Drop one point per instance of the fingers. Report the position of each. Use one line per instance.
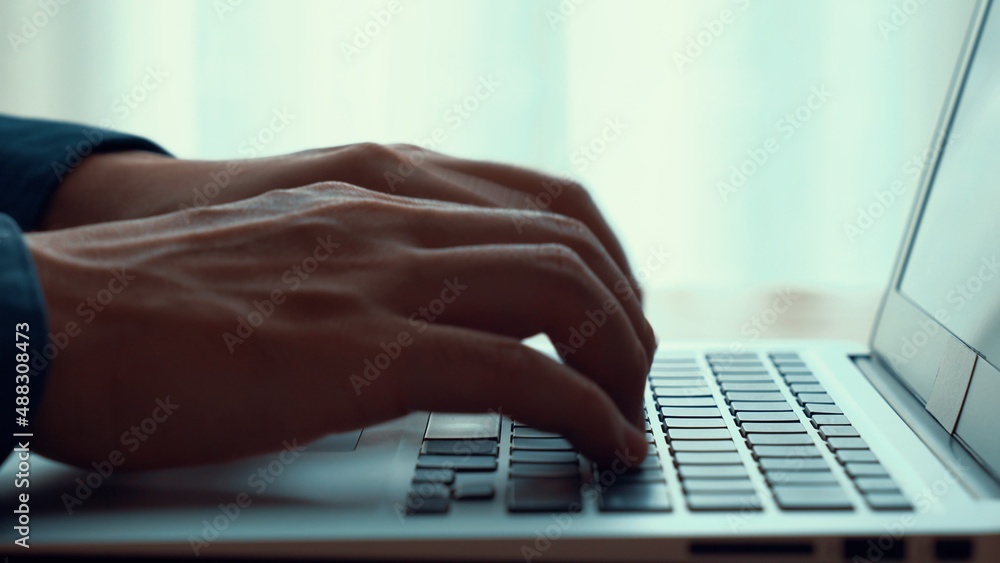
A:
(539, 191)
(522, 290)
(458, 370)
(416, 172)
(472, 226)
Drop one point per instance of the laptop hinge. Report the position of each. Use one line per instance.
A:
(977, 481)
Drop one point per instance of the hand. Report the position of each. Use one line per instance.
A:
(259, 318)
(144, 184)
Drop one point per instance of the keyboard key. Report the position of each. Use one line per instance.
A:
(703, 446)
(780, 439)
(764, 387)
(789, 364)
(527, 432)
(743, 378)
(712, 472)
(699, 434)
(845, 431)
(686, 401)
(635, 497)
(690, 412)
(543, 495)
(838, 443)
(429, 490)
(659, 391)
(673, 366)
(446, 426)
(876, 484)
(540, 444)
(820, 408)
(460, 447)
(742, 406)
(729, 363)
(549, 470)
(634, 476)
(774, 427)
(718, 486)
(861, 469)
(762, 416)
(754, 396)
(887, 501)
(812, 498)
(707, 458)
(815, 398)
(714, 501)
(677, 381)
(458, 463)
(801, 478)
(847, 456)
(730, 356)
(542, 456)
(829, 419)
(443, 476)
(793, 378)
(784, 356)
(786, 451)
(807, 388)
(694, 423)
(689, 370)
(793, 464)
(474, 491)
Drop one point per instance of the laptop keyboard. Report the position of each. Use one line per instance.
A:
(798, 439)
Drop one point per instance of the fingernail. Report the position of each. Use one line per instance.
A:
(635, 442)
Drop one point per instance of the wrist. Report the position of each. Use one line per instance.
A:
(110, 187)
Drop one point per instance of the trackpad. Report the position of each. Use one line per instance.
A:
(341, 442)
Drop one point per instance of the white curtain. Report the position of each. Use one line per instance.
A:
(651, 104)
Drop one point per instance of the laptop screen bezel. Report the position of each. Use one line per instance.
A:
(899, 318)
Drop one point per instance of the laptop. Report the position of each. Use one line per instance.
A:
(783, 450)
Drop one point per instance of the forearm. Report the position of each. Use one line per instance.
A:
(139, 184)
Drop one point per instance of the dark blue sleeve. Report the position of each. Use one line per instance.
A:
(35, 156)
(24, 334)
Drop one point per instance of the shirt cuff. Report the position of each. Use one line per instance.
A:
(23, 325)
(42, 153)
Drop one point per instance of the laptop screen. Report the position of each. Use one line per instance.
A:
(953, 271)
